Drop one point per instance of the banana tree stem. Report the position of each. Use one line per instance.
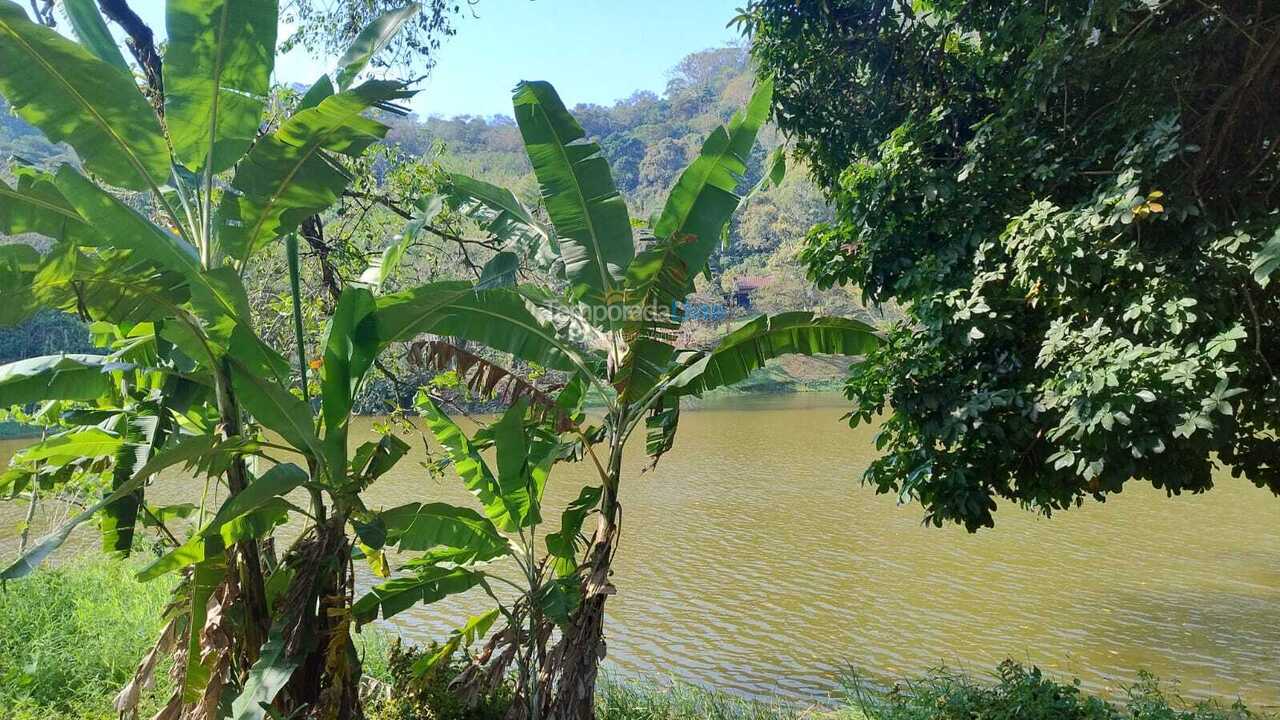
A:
(291, 249)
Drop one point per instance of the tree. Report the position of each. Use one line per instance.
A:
(324, 27)
(175, 195)
(1067, 200)
(608, 322)
(662, 161)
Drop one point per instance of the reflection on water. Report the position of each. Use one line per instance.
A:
(752, 560)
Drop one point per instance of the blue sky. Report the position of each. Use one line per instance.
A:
(592, 50)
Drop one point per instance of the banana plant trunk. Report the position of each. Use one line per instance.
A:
(326, 682)
(327, 679)
(574, 664)
(251, 578)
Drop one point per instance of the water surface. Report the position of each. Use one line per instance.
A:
(752, 560)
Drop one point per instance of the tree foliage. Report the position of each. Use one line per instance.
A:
(420, 154)
(327, 27)
(1067, 198)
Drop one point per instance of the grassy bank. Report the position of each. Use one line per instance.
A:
(70, 638)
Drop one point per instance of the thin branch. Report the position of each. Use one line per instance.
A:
(1257, 332)
(44, 15)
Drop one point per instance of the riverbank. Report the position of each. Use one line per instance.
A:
(70, 638)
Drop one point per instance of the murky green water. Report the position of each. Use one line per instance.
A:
(752, 560)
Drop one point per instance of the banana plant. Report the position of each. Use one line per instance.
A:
(179, 187)
(607, 318)
(465, 548)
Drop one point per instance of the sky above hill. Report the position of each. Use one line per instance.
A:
(595, 51)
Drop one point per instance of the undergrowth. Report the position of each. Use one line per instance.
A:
(71, 637)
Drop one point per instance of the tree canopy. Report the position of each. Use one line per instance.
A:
(1070, 201)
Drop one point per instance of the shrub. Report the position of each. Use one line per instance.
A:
(1020, 693)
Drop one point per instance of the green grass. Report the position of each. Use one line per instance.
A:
(71, 637)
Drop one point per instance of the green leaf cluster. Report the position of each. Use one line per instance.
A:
(1074, 205)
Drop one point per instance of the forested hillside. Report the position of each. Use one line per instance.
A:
(647, 138)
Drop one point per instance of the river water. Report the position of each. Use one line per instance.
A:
(753, 560)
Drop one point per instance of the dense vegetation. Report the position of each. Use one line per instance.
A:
(613, 295)
(1076, 205)
(1084, 257)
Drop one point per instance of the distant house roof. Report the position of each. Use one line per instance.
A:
(745, 284)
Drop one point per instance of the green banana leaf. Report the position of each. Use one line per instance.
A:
(559, 597)
(497, 212)
(206, 576)
(563, 544)
(277, 409)
(72, 445)
(476, 627)
(19, 263)
(123, 228)
(524, 460)
(427, 586)
(92, 32)
(57, 377)
(373, 459)
(371, 41)
(120, 518)
(757, 341)
(254, 524)
(657, 282)
(589, 215)
(347, 357)
(186, 452)
(249, 513)
(73, 97)
(660, 427)
(267, 678)
(217, 75)
(510, 508)
(705, 196)
(502, 270)
(288, 176)
(500, 318)
(382, 269)
(36, 206)
(424, 526)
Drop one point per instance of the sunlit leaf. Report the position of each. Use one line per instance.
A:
(217, 74)
(73, 97)
(590, 216)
